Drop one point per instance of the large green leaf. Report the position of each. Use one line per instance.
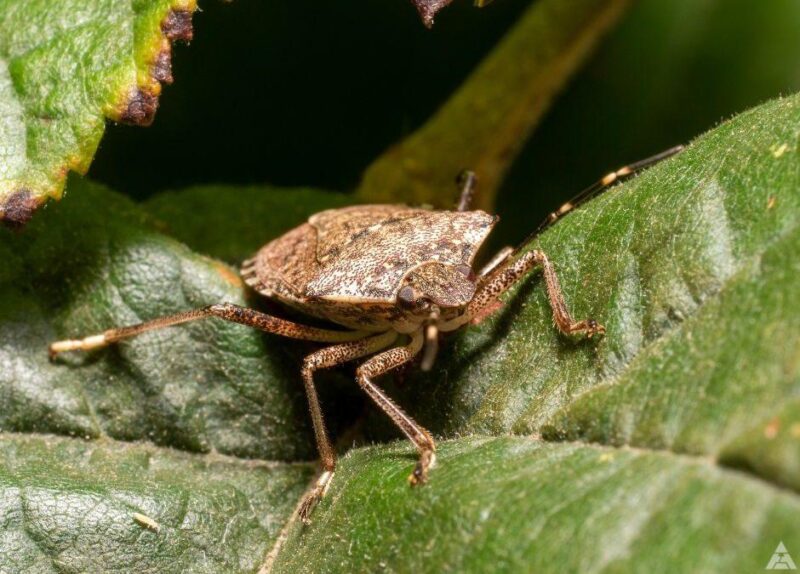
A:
(64, 68)
(68, 505)
(516, 504)
(690, 267)
(673, 436)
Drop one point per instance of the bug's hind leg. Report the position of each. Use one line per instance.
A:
(499, 281)
(226, 311)
(324, 359)
(422, 439)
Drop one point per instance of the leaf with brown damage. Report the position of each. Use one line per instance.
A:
(66, 67)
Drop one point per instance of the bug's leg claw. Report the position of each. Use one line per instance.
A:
(420, 475)
(594, 328)
(309, 503)
(85, 344)
(313, 497)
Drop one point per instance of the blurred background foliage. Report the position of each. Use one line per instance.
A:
(308, 93)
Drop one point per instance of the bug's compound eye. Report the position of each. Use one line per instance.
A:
(407, 297)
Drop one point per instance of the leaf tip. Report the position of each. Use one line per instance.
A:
(177, 25)
(17, 209)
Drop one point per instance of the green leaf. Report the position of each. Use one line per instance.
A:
(93, 263)
(233, 222)
(690, 268)
(675, 439)
(485, 123)
(515, 504)
(64, 68)
(69, 506)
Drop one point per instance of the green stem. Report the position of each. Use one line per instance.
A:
(484, 125)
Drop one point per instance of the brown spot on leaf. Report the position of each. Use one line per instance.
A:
(428, 8)
(140, 109)
(18, 209)
(178, 25)
(162, 67)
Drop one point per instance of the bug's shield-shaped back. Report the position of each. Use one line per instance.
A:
(369, 264)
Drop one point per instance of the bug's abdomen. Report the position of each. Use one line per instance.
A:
(284, 266)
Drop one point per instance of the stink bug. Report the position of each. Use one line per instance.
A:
(385, 273)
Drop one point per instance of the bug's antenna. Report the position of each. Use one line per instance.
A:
(598, 187)
(606, 181)
(467, 182)
(431, 340)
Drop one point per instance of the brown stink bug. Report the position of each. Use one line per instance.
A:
(386, 273)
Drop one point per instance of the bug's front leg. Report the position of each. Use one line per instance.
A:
(499, 281)
(226, 311)
(422, 439)
(325, 359)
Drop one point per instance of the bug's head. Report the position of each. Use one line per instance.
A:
(433, 291)
(436, 285)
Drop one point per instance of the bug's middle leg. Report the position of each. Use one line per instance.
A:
(324, 359)
(383, 363)
(502, 278)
